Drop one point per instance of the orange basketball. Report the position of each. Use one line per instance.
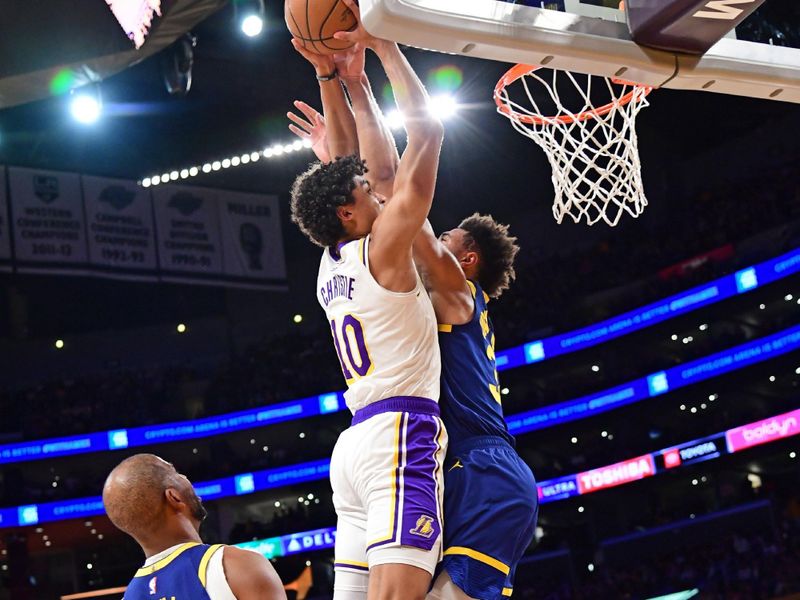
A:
(314, 22)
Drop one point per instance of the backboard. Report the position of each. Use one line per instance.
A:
(586, 36)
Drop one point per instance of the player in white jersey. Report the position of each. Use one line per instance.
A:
(386, 469)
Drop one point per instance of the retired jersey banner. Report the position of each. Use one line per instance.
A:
(187, 222)
(252, 245)
(119, 217)
(48, 223)
(5, 231)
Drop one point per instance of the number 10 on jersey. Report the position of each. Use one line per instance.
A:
(348, 337)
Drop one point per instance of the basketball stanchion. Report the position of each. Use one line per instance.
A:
(593, 150)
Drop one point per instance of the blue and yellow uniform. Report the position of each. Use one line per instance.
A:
(181, 575)
(491, 503)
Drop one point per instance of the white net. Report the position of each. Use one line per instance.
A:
(593, 150)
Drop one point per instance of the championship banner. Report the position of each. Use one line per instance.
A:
(5, 231)
(119, 218)
(187, 225)
(252, 245)
(48, 223)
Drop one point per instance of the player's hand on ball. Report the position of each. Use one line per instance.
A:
(323, 64)
(313, 129)
(350, 63)
(359, 35)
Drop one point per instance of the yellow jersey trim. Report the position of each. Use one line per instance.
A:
(160, 564)
(361, 252)
(445, 328)
(350, 563)
(507, 591)
(472, 288)
(202, 570)
(480, 557)
(395, 470)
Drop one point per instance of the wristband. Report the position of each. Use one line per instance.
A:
(330, 77)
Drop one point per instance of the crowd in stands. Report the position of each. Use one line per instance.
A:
(737, 566)
(543, 299)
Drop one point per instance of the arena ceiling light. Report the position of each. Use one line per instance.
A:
(86, 106)
(250, 16)
(443, 106)
(273, 151)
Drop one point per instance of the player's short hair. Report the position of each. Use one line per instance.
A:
(317, 193)
(496, 249)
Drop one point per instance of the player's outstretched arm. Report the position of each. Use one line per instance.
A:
(401, 220)
(342, 140)
(444, 278)
(376, 143)
(251, 576)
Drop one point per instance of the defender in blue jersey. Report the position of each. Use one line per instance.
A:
(148, 499)
(491, 501)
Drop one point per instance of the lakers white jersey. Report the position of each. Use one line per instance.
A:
(386, 341)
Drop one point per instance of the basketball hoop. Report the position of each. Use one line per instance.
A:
(594, 151)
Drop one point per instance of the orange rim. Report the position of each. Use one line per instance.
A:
(519, 71)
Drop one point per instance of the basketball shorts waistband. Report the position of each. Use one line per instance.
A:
(409, 404)
(478, 441)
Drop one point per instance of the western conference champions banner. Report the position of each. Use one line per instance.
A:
(5, 230)
(65, 223)
(119, 218)
(47, 220)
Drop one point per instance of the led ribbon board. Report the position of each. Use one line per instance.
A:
(628, 471)
(537, 351)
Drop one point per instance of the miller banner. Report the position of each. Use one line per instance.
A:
(250, 223)
(5, 231)
(64, 223)
(119, 217)
(47, 220)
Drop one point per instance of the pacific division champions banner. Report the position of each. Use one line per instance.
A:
(187, 221)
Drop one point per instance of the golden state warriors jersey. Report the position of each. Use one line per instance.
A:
(180, 575)
(470, 390)
(386, 341)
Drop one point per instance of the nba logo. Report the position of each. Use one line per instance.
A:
(152, 585)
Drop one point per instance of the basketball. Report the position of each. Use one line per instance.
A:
(313, 23)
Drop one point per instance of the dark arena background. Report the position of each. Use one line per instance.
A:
(155, 297)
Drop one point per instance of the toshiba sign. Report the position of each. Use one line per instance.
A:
(618, 474)
(762, 432)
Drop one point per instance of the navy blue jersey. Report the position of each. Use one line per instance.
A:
(470, 397)
(181, 575)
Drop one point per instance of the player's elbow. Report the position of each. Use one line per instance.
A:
(426, 127)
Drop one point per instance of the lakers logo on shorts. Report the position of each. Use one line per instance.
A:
(424, 527)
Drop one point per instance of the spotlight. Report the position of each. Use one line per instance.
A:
(595, 368)
(297, 318)
(444, 106)
(181, 328)
(146, 182)
(86, 107)
(249, 14)
(394, 119)
(252, 25)
(59, 344)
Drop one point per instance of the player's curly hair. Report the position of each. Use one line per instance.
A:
(497, 250)
(317, 193)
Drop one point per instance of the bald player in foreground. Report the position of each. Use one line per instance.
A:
(149, 500)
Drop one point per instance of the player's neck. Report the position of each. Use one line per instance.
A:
(171, 536)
